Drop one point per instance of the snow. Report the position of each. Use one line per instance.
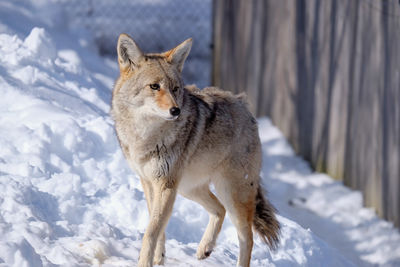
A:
(68, 197)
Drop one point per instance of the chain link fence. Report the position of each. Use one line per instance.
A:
(156, 25)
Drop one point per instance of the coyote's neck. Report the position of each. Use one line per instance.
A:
(152, 128)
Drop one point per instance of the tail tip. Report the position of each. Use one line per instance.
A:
(265, 222)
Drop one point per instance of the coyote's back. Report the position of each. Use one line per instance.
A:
(179, 140)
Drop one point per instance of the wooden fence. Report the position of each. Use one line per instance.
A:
(328, 74)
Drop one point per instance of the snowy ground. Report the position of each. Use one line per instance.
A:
(68, 197)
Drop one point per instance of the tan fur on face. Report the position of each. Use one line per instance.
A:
(164, 99)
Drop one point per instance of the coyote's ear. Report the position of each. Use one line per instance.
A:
(178, 55)
(128, 52)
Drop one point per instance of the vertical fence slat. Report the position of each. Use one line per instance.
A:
(328, 74)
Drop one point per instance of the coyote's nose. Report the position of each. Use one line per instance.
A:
(174, 111)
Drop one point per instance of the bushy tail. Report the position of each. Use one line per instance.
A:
(265, 222)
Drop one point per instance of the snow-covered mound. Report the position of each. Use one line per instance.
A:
(68, 198)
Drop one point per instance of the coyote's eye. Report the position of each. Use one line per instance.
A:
(175, 89)
(155, 86)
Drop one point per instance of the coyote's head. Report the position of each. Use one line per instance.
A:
(151, 83)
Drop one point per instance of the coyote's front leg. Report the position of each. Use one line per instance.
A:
(162, 203)
(159, 253)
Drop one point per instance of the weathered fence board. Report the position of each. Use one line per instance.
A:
(328, 74)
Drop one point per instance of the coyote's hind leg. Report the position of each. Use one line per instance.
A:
(216, 211)
(237, 194)
(242, 218)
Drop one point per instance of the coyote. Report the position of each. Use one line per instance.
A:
(180, 140)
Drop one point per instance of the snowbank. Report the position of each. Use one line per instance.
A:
(69, 199)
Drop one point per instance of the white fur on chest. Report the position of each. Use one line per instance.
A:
(154, 160)
(150, 147)
(145, 170)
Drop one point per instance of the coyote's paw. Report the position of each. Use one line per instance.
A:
(159, 260)
(204, 251)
